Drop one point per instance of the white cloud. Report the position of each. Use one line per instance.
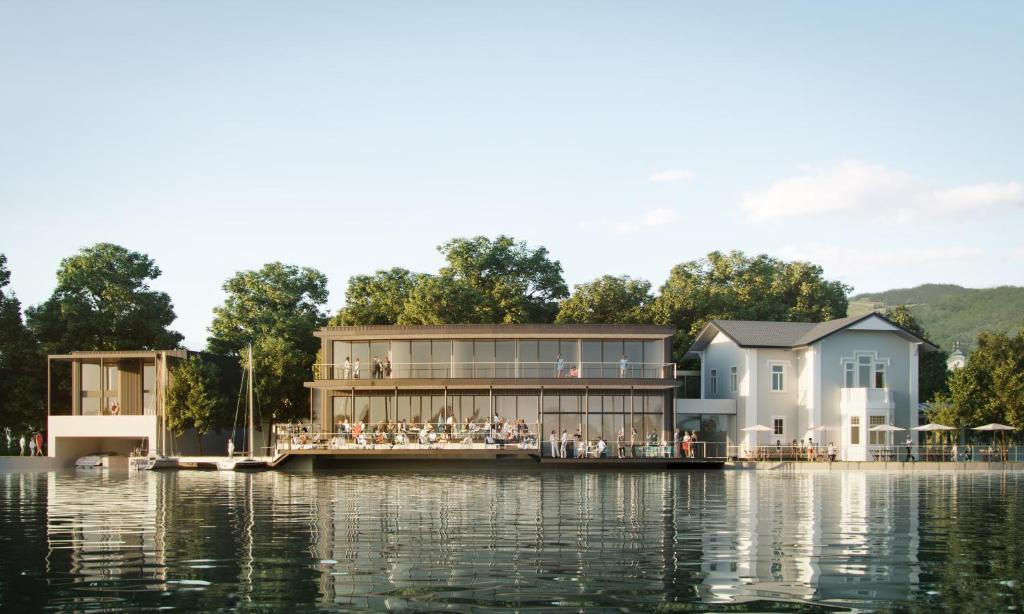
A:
(670, 175)
(854, 186)
(654, 217)
(1017, 254)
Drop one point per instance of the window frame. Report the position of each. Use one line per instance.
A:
(781, 373)
(713, 380)
(734, 379)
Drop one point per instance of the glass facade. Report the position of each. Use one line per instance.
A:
(595, 414)
(501, 358)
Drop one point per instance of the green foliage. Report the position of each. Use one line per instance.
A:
(513, 282)
(951, 313)
(103, 302)
(22, 369)
(194, 398)
(990, 387)
(734, 286)
(442, 299)
(932, 371)
(376, 299)
(276, 309)
(608, 300)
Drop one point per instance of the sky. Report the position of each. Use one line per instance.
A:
(883, 141)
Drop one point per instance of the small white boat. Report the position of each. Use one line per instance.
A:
(102, 461)
(165, 462)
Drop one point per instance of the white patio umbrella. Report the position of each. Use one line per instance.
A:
(932, 426)
(886, 428)
(758, 428)
(993, 427)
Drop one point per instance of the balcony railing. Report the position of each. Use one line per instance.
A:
(499, 370)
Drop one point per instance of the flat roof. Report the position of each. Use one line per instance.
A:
(508, 331)
(119, 354)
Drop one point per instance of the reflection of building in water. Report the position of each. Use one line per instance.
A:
(409, 540)
(105, 528)
(815, 537)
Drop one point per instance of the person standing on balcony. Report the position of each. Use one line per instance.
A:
(623, 366)
(553, 443)
(561, 449)
(387, 368)
(348, 368)
(559, 366)
(355, 369)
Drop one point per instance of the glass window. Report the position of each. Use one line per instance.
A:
(654, 355)
(504, 358)
(528, 358)
(634, 351)
(148, 406)
(733, 379)
(714, 381)
(342, 350)
(482, 406)
(548, 355)
(612, 353)
(91, 377)
(91, 405)
(593, 428)
(527, 408)
(656, 404)
(570, 352)
(591, 361)
(879, 375)
(849, 375)
(341, 408)
(864, 371)
(441, 357)
(778, 426)
(380, 350)
(778, 378)
(420, 354)
(875, 437)
(111, 377)
(483, 358)
(402, 408)
(401, 356)
(855, 430)
(361, 353)
(462, 353)
(148, 377)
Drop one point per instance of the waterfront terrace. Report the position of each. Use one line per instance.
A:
(595, 380)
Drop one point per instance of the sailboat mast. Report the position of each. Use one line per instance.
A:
(252, 434)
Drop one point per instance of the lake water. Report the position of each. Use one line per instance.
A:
(475, 541)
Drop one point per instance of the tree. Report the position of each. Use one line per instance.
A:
(932, 371)
(514, 283)
(734, 286)
(194, 399)
(376, 299)
(22, 369)
(103, 302)
(276, 309)
(608, 300)
(990, 387)
(442, 299)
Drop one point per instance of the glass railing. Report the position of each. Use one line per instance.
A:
(499, 370)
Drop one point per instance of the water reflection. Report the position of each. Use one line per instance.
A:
(468, 541)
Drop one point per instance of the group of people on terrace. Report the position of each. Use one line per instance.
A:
(381, 369)
(496, 431)
(800, 450)
(573, 371)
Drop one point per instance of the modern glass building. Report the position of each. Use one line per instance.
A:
(595, 378)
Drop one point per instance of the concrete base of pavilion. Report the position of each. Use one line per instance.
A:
(468, 459)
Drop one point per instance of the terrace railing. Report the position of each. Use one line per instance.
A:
(407, 436)
(506, 370)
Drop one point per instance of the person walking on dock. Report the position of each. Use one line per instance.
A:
(909, 445)
(553, 442)
(22, 443)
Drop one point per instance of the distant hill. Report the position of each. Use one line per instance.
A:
(952, 313)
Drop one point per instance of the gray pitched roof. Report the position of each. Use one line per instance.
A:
(764, 334)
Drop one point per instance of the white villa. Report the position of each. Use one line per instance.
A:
(830, 382)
